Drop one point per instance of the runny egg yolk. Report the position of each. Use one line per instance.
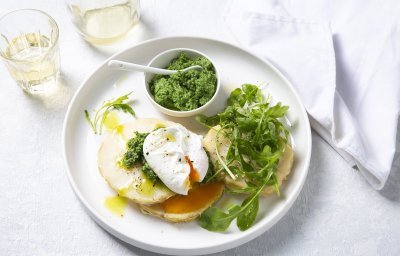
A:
(193, 175)
(198, 198)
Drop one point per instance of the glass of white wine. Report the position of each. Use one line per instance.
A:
(104, 21)
(29, 48)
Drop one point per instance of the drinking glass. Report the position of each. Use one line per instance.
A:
(104, 21)
(29, 48)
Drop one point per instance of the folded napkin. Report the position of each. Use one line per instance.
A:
(343, 58)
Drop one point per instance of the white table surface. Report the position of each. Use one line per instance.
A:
(337, 212)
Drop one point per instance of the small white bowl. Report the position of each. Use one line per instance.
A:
(162, 60)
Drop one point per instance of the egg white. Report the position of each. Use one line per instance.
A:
(166, 150)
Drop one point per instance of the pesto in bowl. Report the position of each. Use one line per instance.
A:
(185, 91)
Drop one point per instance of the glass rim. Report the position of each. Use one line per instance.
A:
(53, 45)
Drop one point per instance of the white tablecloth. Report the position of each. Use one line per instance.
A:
(337, 213)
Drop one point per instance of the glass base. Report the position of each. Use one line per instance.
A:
(39, 86)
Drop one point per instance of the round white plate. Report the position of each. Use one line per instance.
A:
(236, 66)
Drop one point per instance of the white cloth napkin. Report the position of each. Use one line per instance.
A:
(343, 58)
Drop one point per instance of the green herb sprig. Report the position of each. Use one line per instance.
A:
(257, 141)
(120, 103)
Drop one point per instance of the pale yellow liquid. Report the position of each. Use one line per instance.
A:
(116, 205)
(33, 63)
(109, 24)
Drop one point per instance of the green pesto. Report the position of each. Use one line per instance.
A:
(185, 91)
(134, 155)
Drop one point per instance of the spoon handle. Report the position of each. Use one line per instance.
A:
(122, 65)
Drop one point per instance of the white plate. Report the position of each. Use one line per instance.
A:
(236, 66)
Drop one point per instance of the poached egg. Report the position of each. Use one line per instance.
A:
(177, 156)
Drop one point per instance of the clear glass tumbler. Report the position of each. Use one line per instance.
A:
(104, 21)
(29, 48)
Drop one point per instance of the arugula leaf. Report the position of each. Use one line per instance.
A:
(208, 121)
(214, 219)
(247, 217)
(236, 98)
(120, 103)
(251, 93)
(125, 108)
(257, 141)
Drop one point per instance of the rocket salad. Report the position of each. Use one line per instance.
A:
(257, 141)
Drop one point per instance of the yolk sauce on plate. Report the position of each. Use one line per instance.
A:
(198, 197)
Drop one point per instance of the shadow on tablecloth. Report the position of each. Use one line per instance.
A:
(391, 191)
